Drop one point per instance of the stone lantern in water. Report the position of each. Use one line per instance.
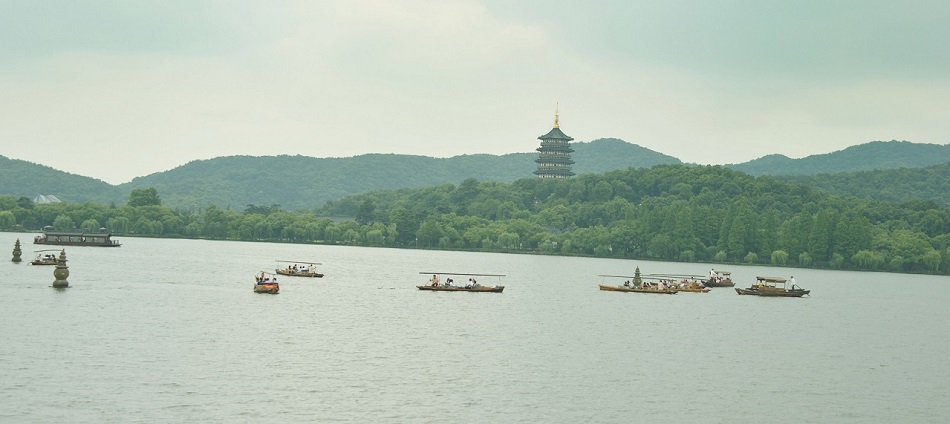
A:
(61, 271)
(637, 280)
(17, 252)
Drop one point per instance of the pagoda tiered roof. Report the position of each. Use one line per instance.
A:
(555, 134)
(560, 160)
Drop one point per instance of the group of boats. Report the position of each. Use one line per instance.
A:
(48, 256)
(637, 283)
(672, 284)
(266, 282)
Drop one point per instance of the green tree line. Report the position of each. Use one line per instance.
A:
(669, 212)
(896, 185)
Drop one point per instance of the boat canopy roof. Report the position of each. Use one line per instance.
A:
(47, 250)
(771, 279)
(59, 233)
(462, 273)
(300, 262)
(617, 276)
(722, 272)
(674, 276)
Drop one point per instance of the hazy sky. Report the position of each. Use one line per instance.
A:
(119, 89)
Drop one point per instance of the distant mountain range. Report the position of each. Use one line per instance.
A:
(871, 156)
(298, 182)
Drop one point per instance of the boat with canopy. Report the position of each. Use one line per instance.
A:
(45, 257)
(266, 283)
(719, 278)
(76, 239)
(448, 283)
(773, 287)
(689, 283)
(298, 269)
(634, 284)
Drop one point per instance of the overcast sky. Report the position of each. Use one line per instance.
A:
(119, 89)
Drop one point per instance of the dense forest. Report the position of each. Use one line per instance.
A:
(896, 185)
(670, 212)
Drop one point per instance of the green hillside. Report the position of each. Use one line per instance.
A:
(897, 185)
(864, 157)
(667, 212)
(21, 178)
(296, 182)
(302, 182)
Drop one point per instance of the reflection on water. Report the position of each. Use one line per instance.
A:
(170, 330)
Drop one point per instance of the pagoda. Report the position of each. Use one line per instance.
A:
(554, 155)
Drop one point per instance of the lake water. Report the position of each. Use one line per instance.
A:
(170, 331)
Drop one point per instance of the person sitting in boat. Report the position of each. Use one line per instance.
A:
(626, 283)
(449, 281)
(434, 281)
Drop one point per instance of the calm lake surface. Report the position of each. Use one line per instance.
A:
(170, 331)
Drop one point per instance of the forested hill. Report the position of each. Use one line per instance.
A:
(863, 157)
(296, 182)
(20, 178)
(896, 185)
(668, 212)
(300, 182)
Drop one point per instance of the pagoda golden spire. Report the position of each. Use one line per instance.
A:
(557, 109)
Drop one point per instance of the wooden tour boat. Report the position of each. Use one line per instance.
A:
(720, 279)
(299, 269)
(773, 287)
(635, 289)
(688, 283)
(76, 239)
(634, 284)
(266, 283)
(45, 257)
(472, 285)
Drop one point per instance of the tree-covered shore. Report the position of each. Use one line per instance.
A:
(670, 212)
